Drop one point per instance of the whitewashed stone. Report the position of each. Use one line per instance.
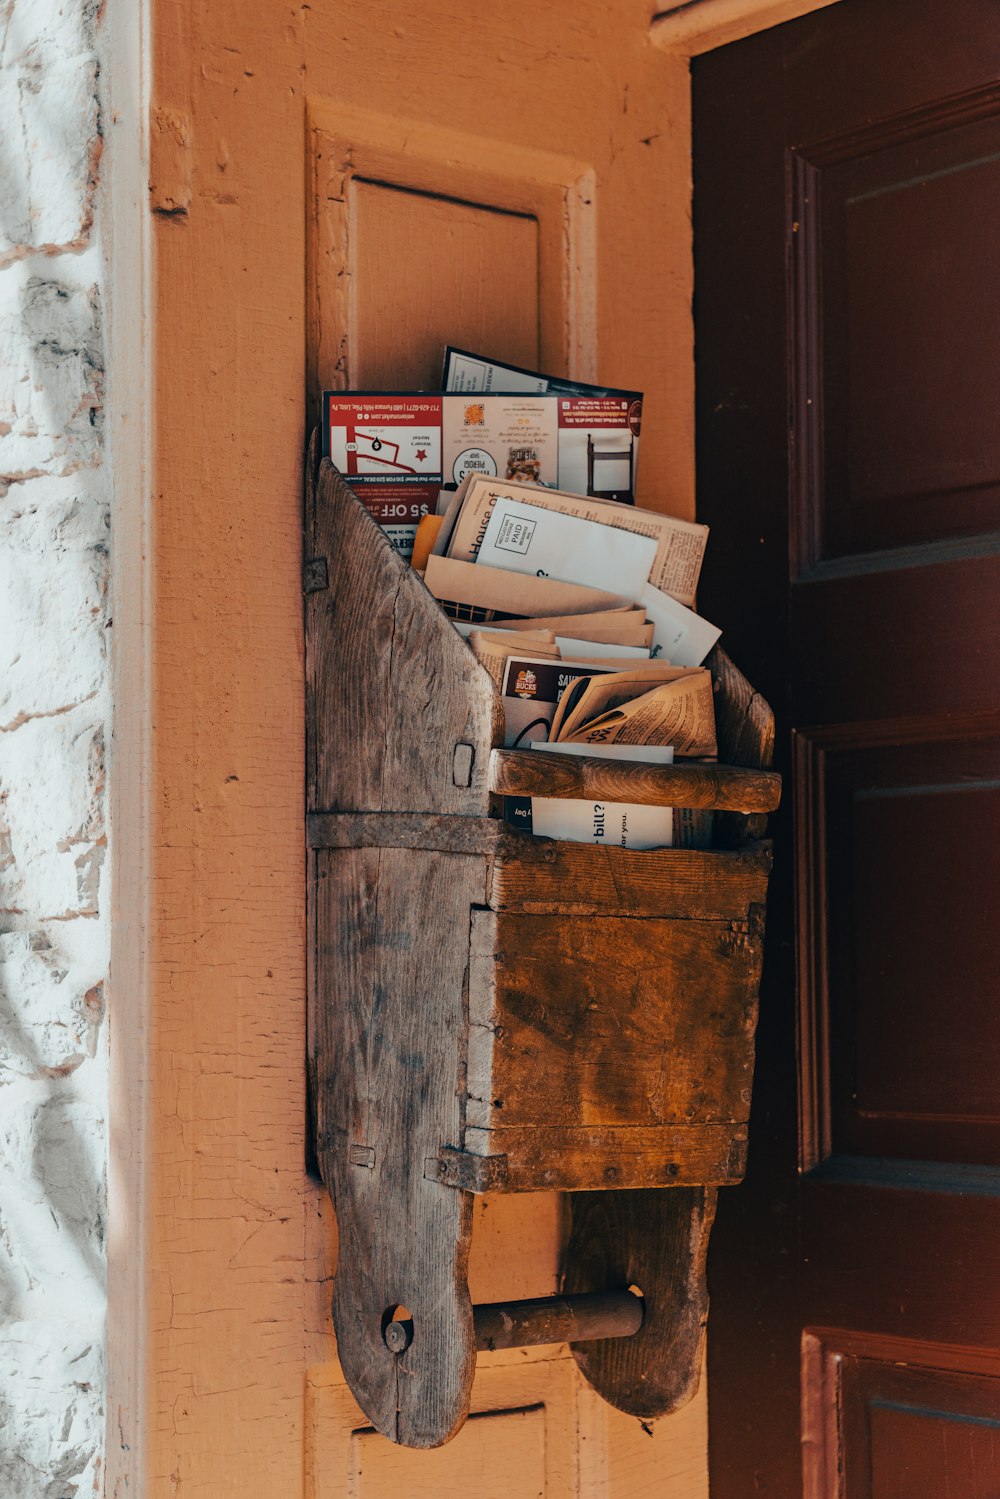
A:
(53, 1294)
(54, 582)
(49, 1025)
(47, 1370)
(68, 1160)
(51, 370)
(54, 28)
(49, 122)
(52, 816)
(52, 1194)
(54, 496)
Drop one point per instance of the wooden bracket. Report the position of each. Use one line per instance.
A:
(495, 1013)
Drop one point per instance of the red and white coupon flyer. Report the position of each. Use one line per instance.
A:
(388, 447)
(398, 449)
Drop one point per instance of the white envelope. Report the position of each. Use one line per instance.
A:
(546, 544)
(596, 649)
(680, 636)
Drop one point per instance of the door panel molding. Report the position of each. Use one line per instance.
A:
(691, 28)
(530, 1406)
(875, 643)
(840, 512)
(839, 772)
(850, 1379)
(558, 192)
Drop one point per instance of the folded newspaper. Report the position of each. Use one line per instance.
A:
(510, 551)
(398, 449)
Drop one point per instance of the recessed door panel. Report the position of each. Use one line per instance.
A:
(500, 1455)
(427, 270)
(519, 1442)
(422, 238)
(893, 1419)
(896, 232)
(898, 963)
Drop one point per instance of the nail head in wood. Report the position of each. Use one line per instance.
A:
(315, 575)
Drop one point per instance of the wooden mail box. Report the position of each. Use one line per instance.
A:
(496, 1012)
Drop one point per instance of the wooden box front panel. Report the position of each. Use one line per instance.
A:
(624, 1046)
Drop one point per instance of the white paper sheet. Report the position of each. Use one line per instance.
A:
(596, 649)
(680, 636)
(544, 543)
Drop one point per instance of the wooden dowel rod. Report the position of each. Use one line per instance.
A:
(557, 1319)
(723, 788)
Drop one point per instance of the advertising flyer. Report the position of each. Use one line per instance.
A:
(398, 450)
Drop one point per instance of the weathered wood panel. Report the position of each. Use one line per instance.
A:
(614, 1022)
(744, 728)
(399, 684)
(541, 875)
(460, 1049)
(572, 1159)
(744, 722)
(655, 1242)
(520, 773)
(584, 879)
(452, 835)
(389, 1036)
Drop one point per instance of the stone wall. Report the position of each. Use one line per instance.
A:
(54, 710)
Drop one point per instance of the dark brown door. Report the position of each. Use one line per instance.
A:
(847, 230)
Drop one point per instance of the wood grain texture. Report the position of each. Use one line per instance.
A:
(215, 1225)
(557, 1319)
(453, 835)
(744, 722)
(657, 1242)
(391, 968)
(629, 1022)
(402, 688)
(544, 876)
(520, 773)
(573, 1158)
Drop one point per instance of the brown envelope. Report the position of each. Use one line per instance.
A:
(468, 591)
